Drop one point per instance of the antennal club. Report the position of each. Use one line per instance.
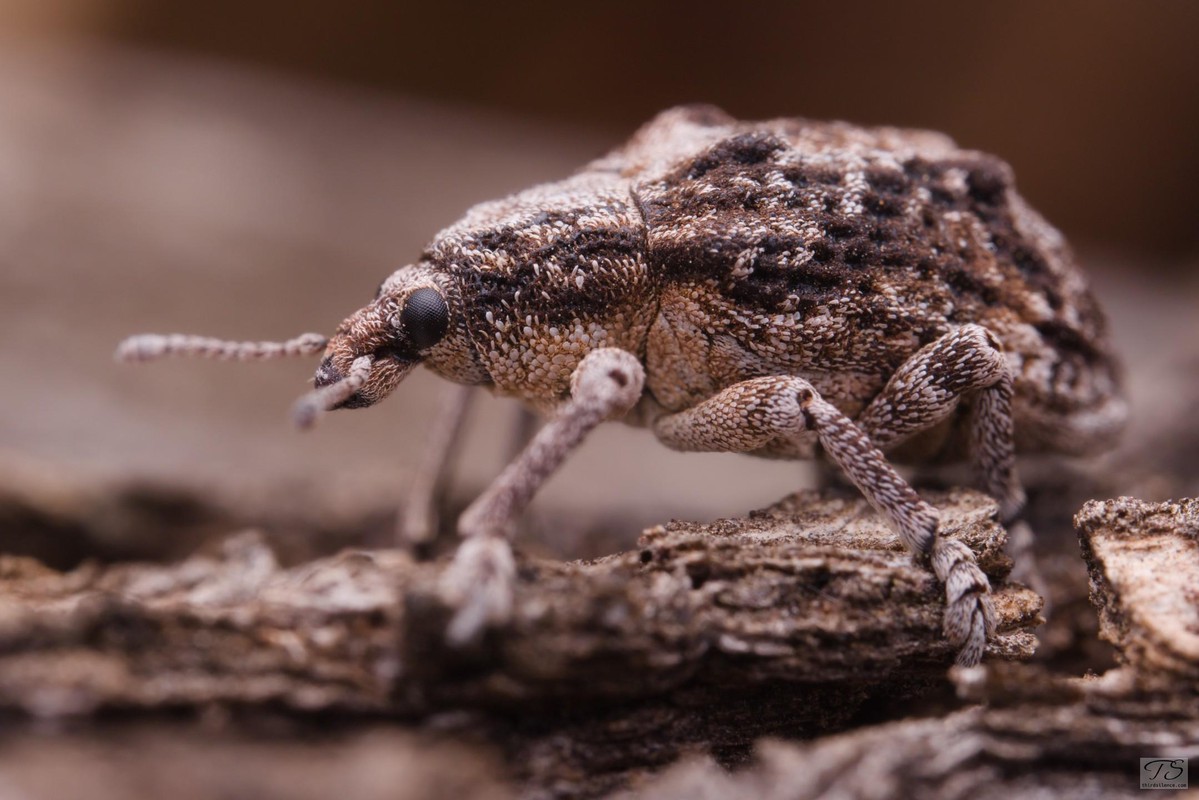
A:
(309, 408)
(153, 346)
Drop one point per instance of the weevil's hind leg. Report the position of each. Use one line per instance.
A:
(756, 413)
(926, 389)
(965, 363)
(606, 383)
(418, 521)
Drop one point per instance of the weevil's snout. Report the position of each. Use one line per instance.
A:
(327, 375)
(379, 371)
(377, 346)
(349, 378)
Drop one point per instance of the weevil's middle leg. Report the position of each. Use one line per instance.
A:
(753, 414)
(606, 383)
(418, 520)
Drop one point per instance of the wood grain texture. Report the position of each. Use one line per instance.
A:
(810, 592)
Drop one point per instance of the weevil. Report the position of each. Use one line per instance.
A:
(788, 288)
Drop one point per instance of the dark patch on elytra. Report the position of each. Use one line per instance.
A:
(882, 205)
(742, 150)
(1068, 340)
(888, 181)
(988, 182)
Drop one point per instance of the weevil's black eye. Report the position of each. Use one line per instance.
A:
(425, 318)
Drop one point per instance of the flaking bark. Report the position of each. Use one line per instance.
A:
(814, 591)
(1036, 734)
(704, 639)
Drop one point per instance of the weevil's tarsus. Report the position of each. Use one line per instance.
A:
(153, 346)
(605, 384)
(309, 408)
(969, 611)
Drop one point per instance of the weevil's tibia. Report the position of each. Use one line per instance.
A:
(309, 408)
(153, 346)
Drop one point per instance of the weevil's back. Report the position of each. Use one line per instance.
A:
(835, 252)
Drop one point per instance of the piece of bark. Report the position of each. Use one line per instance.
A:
(1143, 560)
(813, 591)
(1039, 734)
(703, 640)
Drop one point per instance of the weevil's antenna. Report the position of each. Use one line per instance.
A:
(309, 408)
(153, 346)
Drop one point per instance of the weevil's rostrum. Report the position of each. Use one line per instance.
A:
(784, 288)
(719, 250)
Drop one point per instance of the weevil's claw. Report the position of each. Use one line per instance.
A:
(479, 584)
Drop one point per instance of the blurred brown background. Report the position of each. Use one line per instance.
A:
(1095, 102)
(253, 169)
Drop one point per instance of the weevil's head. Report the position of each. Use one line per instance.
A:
(414, 317)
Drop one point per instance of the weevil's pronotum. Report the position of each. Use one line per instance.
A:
(787, 288)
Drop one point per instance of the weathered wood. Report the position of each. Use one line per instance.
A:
(815, 591)
(703, 640)
(1037, 734)
(1143, 560)
(1082, 740)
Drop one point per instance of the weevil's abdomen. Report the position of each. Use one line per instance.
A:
(835, 252)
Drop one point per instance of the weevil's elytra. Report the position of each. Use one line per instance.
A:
(782, 288)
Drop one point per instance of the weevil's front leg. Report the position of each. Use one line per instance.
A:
(606, 384)
(752, 414)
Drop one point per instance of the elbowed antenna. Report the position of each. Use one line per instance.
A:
(153, 346)
(309, 408)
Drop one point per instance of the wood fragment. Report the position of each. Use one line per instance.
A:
(815, 591)
(1143, 560)
(1037, 734)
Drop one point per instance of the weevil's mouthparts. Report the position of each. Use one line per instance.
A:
(153, 346)
(308, 409)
